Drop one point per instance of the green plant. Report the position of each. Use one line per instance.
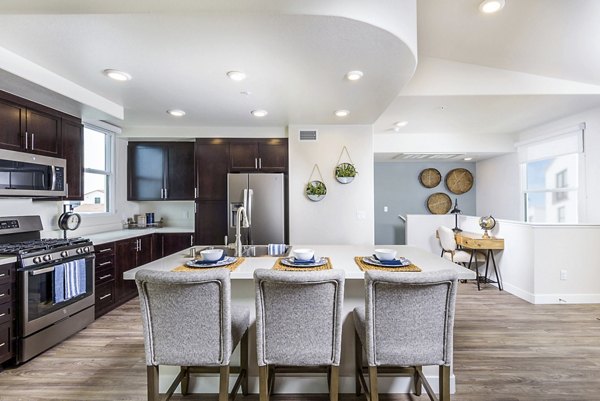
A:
(316, 188)
(345, 170)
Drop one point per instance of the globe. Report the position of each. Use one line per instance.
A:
(487, 223)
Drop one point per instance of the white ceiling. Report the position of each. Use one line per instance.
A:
(296, 60)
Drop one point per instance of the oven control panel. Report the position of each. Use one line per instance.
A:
(9, 224)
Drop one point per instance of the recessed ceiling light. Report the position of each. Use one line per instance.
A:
(467, 159)
(176, 112)
(117, 75)
(245, 93)
(400, 124)
(342, 113)
(236, 75)
(491, 6)
(259, 113)
(354, 75)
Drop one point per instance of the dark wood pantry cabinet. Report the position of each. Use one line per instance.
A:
(258, 155)
(72, 145)
(160, 171)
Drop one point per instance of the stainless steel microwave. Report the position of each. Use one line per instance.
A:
(30, 175)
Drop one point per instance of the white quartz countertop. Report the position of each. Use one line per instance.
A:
(110, 236)
(341, 257)
(4, 260)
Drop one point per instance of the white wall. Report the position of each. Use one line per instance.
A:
(498, 187)
(345, 215)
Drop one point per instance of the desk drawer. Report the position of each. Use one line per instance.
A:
(480, 243)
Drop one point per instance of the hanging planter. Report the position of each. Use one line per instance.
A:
(315, 190)
(345, 172)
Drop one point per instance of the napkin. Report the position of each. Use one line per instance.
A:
(394, 262)
(303, 262)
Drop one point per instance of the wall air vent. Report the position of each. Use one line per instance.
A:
(308, 135)
(427, 156)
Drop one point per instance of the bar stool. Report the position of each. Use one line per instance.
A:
(407, 322)
(189, 322)
(298, 325)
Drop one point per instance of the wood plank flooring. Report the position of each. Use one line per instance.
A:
(505, 349)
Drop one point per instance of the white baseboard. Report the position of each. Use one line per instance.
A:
(524, 295)
(567, 299)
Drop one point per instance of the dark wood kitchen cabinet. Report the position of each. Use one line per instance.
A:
(105, 278)
(160, 171)
(258, 156)
(212, 166)
(7, 312)
(165, 244)
(28, 127)
(211, 222)
(72, 151)
(129, 254)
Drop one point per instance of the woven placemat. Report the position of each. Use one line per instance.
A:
(280, 266)
(365, 266)
(231, 267)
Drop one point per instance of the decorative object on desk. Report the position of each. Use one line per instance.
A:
(487, 223)
(430, 178)
(363, 266)
(456, 211)
(439, 203)
(459, 181)
(345, 172)
(68, 220)
(315, 189)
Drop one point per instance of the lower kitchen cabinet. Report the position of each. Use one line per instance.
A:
(7, 312)
(165, 244)
(105, 278)
(211, 222)
(126, 259)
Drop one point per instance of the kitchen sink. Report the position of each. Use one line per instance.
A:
(248, 251)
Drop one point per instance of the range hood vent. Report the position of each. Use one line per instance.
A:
(427, 156)
(308, 135)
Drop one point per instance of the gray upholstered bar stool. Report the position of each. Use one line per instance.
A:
(298, 325)
(407, 323)
(189, 322)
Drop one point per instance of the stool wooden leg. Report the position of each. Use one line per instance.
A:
(224, 383)
(357, 362)
(373, 383)
(152, 382)
(244, 362)
(444, 383)
(185, 380)
(263, 379)
(334, 384)
(417, 380)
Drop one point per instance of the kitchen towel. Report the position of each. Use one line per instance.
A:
(75, 278)
(276, 249)
(59, 283)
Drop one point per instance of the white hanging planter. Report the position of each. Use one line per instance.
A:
(345, 172)
(315, 190)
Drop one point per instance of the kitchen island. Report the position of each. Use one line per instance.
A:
(341, 257)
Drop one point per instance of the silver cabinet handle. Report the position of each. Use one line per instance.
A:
(3, 274)
(140, 245)
(166, 193)
(26, 139)
(191, 239)
(2, 345)
(260, 163)
(255, 163)
(105, 276)
(104, 263)
(105, 296)
(3, 314)
(32, 141)
(195, 192)
(104, 250)
(2, 295)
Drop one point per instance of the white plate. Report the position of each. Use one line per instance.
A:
(290, 262)
(227, 260)
(372, 261)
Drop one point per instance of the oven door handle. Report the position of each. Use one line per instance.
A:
(41, 271)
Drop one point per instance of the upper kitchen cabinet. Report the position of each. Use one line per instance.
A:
(160, 171)
(212, 166)
(72, 137)
(258, 155)
(28, 127)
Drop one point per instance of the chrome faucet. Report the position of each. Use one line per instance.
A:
(241, 221)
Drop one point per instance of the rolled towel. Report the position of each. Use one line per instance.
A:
(276, 249)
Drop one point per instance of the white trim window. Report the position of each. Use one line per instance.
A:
(552, 170)
(98, 181)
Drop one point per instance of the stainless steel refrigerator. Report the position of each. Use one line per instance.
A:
(263, 198)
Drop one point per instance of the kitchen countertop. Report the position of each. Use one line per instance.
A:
(4, 260)
(341, 257)
(110, 236)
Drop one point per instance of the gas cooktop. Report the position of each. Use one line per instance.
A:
(44, 244)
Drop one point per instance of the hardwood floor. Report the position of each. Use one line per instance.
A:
(505, 349)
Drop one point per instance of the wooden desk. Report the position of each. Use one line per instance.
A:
(474, 242)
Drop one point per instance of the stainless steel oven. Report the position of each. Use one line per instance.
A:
(55, 284)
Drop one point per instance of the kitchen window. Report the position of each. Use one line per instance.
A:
(553, 170)
(97, 177)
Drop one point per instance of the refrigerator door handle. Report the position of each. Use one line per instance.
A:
(250, 195)
(245, 200)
